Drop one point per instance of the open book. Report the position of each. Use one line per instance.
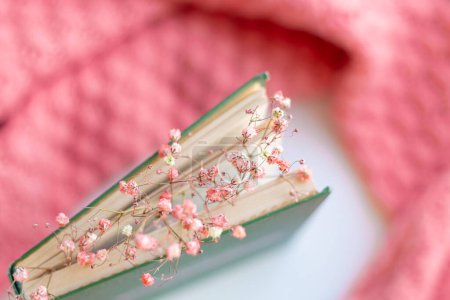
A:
(228, 165)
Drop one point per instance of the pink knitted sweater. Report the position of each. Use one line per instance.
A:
(88, 88)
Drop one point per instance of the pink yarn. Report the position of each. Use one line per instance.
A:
(89, 88)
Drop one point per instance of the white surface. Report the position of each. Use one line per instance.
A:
(325, 257)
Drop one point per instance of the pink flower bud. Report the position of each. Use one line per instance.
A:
(20, 274)
(102, 255)
(238, 232)
(86, 259)
(103, 225)
(219, 221)
(304, 174)
(213, 195)
(174, 134)
(189, 208)
(164, 150)
(67, 246)
(62, 219)
(175, 148)
(39, 294)
(249, 132)
(146, 242)
(130, 253)
(147, 279)
(193, 247)
(177, 212)
(164, 205)
(172, 174)
(173, 251)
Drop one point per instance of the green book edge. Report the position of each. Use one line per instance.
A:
(261, 78)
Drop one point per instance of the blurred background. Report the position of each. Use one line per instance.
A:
(89, 89)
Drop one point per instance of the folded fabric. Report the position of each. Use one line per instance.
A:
(88, 89)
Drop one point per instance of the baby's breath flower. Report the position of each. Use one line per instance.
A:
(130, 253)
(249, 132)
(172, 174)
(164, 205)
(147, 279)
(130, 188)
(67, 246)
(277, 113)
(173, 251)
(304, 174)
(169, 160)
(193, 247)
(103, 225)
(62, 219)
(215, 232)
(175, 148)
(102, 255)
(238, 232)
(127, 230)
(146, 242)
(39, 294)
(86, 259)
(220, 221)
(174, 134)
(20, 274)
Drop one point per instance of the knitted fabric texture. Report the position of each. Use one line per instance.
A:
(88, 89)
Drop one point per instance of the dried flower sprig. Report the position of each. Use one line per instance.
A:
(245, 162)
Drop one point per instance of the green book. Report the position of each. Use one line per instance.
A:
(270, 211)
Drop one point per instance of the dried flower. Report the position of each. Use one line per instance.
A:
(164, 205)
(169, 160)
(192, 224)
(130, 188)
(86, 259)
(189, 208)
(87, 241)
(62, 219)
(277, 113)
(215, 232)
(175, 148)
(279, 125)
(130, 253)
(177, 212)
(249, 132)
(173, 251)
(146, 242)
(147, 279)
(20, 274)
(245, 166)
(228, 192)
(193, 247)
(213, 195)
(123, 187)
(39, 294)
(213, 172)
(127, 230)
(281, 100)
(304, 174)
(257, 171)
(174, 134)
(67, 246)
(220, 221)
(102, 255)
(172, 174)
(103, 225)
(164, 150)
(238, 232)
(283, 165)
